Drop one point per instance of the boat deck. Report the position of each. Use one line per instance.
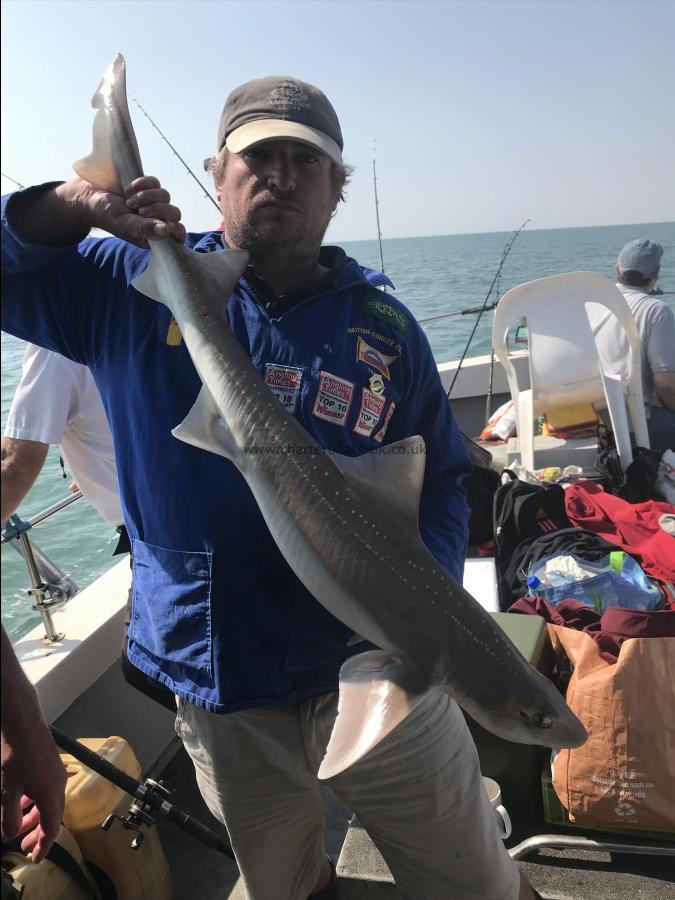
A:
(82, 691)
(202, 873)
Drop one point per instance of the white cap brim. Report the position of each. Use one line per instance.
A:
(281, 129)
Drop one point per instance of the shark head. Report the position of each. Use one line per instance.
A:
(539, 716)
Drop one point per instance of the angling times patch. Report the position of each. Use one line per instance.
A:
(381, 433)
(333, 399)
(369, 414)
(284, 382)
(386, 312)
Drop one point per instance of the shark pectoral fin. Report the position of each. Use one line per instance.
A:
(215, 273)
(370, 706)
(222, 267)
(394, 474)
(204, 428)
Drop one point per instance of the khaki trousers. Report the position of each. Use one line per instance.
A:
(419, 794)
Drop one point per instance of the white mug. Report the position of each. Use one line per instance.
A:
(502, 818)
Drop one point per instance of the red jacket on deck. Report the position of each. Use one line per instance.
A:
(608, 629)
(632, 526)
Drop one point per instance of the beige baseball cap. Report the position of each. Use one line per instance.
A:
(276, 108)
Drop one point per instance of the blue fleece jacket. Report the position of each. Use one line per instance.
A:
(218, 616)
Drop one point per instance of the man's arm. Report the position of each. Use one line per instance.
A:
(32, 770)
(21, 464)
(59, 290)
(64, 213)
(661, 352)
(664, 385)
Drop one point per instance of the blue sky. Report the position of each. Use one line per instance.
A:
(485, 113)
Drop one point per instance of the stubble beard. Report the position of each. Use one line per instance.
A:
(264, 238)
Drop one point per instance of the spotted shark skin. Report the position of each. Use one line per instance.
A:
(348, 527)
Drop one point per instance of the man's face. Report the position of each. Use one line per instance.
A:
(277, 194)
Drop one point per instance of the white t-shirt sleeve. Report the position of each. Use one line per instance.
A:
(661, 343)
(44, 397)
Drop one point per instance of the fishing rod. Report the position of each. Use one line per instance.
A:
(505, 252)
(488, 399)
(377, 216)
(473, 310)
(151, 798)
(13, 180)
(207, 194)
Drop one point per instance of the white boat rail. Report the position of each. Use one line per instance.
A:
(49, 585)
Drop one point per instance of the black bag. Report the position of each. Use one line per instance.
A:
(610, 469)
(521, 513)
(638, 483)
(480, 487)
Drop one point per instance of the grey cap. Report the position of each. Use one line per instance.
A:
(641, 256)
(279, 108)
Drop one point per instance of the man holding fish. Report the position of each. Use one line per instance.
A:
(227, 568)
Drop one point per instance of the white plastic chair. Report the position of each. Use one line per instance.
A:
(565, 368)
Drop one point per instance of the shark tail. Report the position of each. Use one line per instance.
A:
(371, 704)
(110, 103)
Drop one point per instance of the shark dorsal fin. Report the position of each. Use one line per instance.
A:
(394, 473)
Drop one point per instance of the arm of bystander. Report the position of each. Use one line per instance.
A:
(33, 776)
(664, 385)
(21, 464)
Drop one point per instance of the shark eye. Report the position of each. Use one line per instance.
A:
(539, 720)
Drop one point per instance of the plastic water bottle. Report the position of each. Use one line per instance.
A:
(532, 584)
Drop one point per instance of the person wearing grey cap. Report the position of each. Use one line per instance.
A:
(218, 615)
(638, 269)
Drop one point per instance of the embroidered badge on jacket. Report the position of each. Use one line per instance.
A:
(376, 384)
(369, 414)
(173, 335)
(284, 382)
(333, 399)
(374, 358)
(379, 436)
(386, 312)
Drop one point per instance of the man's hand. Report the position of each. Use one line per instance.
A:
(33, 788)
(65, 213)
(144, 212)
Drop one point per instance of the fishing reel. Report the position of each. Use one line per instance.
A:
(151, 798)
(140, 814)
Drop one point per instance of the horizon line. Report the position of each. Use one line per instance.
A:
(412, 237)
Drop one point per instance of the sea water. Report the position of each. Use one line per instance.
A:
(433, 276)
